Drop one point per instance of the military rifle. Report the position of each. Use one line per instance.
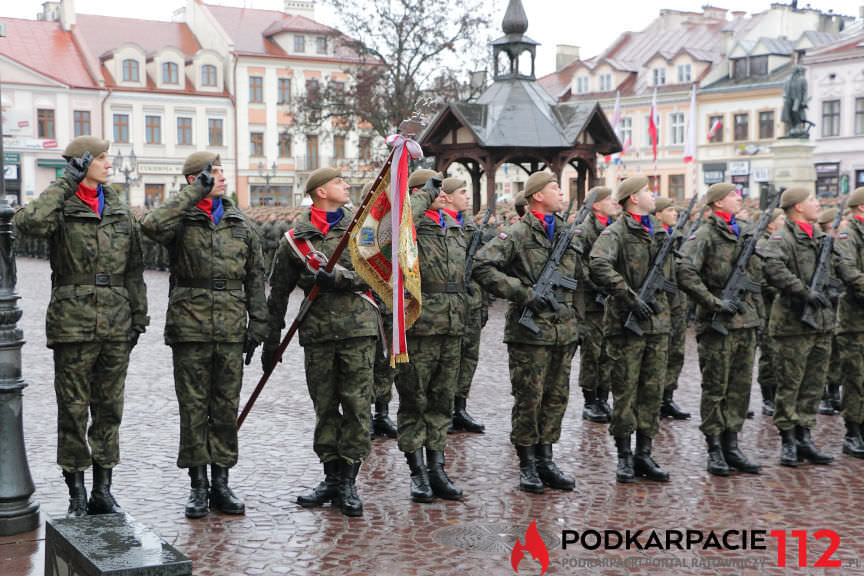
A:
(656, 279)
(822, 277)
(739, 281)
(476, 238)
(550, 278)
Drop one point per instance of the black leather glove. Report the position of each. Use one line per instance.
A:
(206, 179)
(326, 280)
(641, 309)
(249, 347)
(537, 304)
(267, 360)
(133, 334)
(728, 306)
(817, 299)
(76, 168)
(433, 185)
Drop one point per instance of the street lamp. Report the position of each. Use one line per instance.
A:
(127, 166)
(267, 176)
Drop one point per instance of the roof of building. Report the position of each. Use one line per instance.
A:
(47, 49)
(104, 34)
(774, 78)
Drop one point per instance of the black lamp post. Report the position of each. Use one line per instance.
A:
(267, 176)
(127, 166)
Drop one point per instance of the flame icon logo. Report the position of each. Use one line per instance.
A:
(533, 544)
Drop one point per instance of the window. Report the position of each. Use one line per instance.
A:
(676, 186)
(184, 131)
(648, 133)
(739, 68)
(365, 148)
(284, 144)
(153, 129)
(831, 118)
(677, 128)
(626, 129)
(45, 122)
(859, 116)
(605, 82)
(312, 88)
(337, 92)
(339, 146)
(208, 75)
(759, 65)
(154, 194)
(256, 89)
(284, 91)
(321, 45)
(766, 125)
(121, 128)
(659, 76)
(715, 123)
(299, 43)
(742, 126)
(683, 73)
(582, 84)
(130, 70)
(169, 73)
(81, 120)
(256, 143)
(214, 131)
(312, 151)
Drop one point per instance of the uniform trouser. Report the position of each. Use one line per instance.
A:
(638, 376)
(470, 352)
(726, 363)
(767, 376)
(207, 380)
(426, 385)
(339, 376)
(677, 341)
(594, 367)
(850, 350)
(801, 366)
(383, 374)
(89, 378)
(835, 373)
(540, 384)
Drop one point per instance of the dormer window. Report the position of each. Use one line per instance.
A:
(659, 76)
(299, 43)
(321, 45)
(683, 73)
(208, 75)
(130, 70)
(605, 82)
(759, 66)
(170, 73)
(739, 68)
(581, 84)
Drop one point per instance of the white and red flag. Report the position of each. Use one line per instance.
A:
(690, 141)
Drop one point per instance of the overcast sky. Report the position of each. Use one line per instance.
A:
(590, 25)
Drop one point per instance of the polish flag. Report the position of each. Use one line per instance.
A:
(653, 124)
(717, 125)
(616, 123)
(690, 142)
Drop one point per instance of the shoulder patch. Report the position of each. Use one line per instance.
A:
(691, 237)
(577, 231)
(777, 237)
(604, 232)
(842, 236)
(502, 235)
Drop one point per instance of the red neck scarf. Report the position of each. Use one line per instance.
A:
(90, 196)
(861, 218)
(453, 214)
(434, 215)
(604, 220)
(642, 219)
(322, 219)
(806, 227)
(541, 216)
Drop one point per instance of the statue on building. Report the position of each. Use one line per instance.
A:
(795, 105)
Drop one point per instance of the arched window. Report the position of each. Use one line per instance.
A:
(208, 75)
(169, 73)
(130, 70)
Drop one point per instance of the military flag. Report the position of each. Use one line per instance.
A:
(654, 124)
(690, 142)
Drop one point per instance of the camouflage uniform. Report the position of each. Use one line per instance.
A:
(98, 298)
(767, 375)
(476, 314)
(216, 298)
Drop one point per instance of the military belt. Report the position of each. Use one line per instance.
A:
(90, 280)
(443, 287)
(211, 284)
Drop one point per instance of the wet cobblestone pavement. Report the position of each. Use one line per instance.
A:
(398, 537)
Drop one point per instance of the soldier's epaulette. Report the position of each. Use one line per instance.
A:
(502, 235)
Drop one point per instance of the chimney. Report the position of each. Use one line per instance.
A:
(565, 55)
(67, 14)
(50, 12)
(301, 8)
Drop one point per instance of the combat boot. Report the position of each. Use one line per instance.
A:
(643, 464)
(767, 399)
(196, 505)
(834, 392)
(592, 411)
(462, 420)
(221, 496)
(788, 449)
(716, 463)
(807, 450)
(326, 491)
(734, 457)
(351, 503)
(852, 443)
(548, 471)
(101, 500)
(420, 489)
(529, 481)
(77, 494)
(371, 426)
(603, 400)
(669, 409)
(624, 472)
(381, 422)
(438, 479)
(826, 408)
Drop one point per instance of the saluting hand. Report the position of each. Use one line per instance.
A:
(76, 168)
(206, 179)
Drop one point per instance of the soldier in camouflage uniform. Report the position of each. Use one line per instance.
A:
(508, 266)
(621, 258)
(767, 376)
(338, 339)
(98, 309)
(666, 212)
(801, 351)
(426, 383)
(594, 367)
(830, 403)
(849, 263)
(708, 259)
(216, 312)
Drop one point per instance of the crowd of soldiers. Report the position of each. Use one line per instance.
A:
(617, 278)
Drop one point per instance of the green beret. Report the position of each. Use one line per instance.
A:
(856, 198)
(537, 181)
(793, 196)
(77, 147)
(662, 203)
(418, 178)
(602, 193)
(450, 185)
(366, 187)
(197, 161)
(827, 215)
(718, 191)
(320, 177)
(629, 187)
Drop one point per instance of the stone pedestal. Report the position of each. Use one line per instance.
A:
(109, 544)
(793, 163)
